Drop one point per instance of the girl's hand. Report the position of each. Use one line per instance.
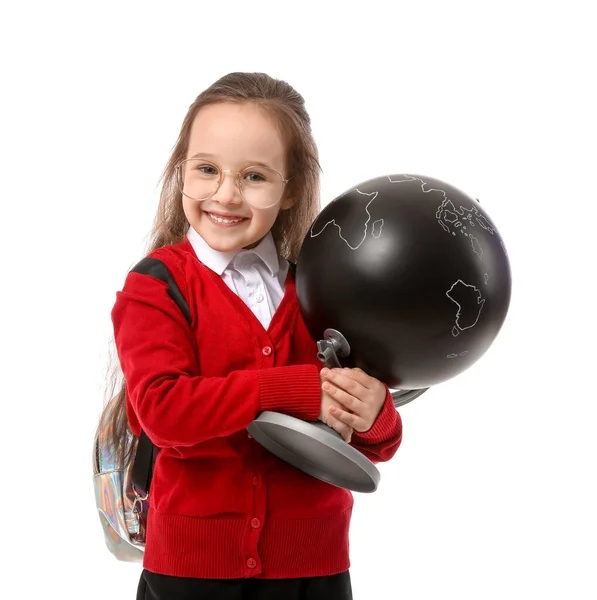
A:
(325, 416)
(359, 396)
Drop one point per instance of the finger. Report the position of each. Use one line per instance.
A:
(345, 381)
(367, 381)
(356, 422)
(342, 428)
(347, 400)
(363, 378)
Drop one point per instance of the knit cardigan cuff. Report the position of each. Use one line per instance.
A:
(384, 427)
(293, 390)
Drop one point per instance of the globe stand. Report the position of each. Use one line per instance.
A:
(332, 345)
(314, 447)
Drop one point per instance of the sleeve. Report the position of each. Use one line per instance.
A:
(173, 403)
(380, 443)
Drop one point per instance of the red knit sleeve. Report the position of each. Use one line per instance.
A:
(173, 403)
(380, 443)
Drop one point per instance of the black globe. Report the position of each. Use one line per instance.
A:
(412, 272)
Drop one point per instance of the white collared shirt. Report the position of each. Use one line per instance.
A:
(257, 276)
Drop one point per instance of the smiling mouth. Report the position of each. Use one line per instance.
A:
(229, 220)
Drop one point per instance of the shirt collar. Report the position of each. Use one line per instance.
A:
(218, 262)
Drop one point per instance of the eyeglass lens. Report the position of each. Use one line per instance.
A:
(261, 187)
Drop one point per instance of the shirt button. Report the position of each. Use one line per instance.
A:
(266, 351)
(255, 481)
(259, 298)
(251, 563)
(255, 523)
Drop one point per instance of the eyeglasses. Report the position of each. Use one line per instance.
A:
(200, 179)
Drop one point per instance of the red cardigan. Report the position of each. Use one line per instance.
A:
(222, 506)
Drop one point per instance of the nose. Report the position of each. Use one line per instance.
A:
(228, 192)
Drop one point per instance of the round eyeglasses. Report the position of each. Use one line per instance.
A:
(200, 179)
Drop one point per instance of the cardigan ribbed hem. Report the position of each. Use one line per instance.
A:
(212, 548)
(384, 423)
(293, 390)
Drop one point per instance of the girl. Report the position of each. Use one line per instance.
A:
(229, 519)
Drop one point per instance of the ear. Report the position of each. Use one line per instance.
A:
(287, 203)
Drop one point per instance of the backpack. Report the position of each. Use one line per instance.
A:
(122, 493)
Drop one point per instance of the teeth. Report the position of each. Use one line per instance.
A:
(223, 220)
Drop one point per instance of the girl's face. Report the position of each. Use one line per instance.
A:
(234, 136)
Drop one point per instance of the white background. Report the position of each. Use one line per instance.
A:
(492, 493)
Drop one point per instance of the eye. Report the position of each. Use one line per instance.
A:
(255, 177)
(207, 169)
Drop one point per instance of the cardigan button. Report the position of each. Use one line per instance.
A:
(266, 351)
(255, 523)
(251, 563)
(255, 481)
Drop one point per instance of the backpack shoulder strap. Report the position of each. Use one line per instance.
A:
(156, 268)
(146, 452)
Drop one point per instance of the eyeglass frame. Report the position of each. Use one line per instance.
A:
(221, 181)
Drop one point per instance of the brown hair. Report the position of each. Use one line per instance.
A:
(287, 107)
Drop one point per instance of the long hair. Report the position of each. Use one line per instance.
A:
(287, 107)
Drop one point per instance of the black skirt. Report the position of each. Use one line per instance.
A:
(164, 587)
